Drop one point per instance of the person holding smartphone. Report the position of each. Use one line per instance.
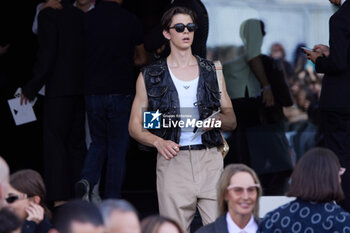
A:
(334, 62)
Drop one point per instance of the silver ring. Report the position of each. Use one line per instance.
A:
(175, 147)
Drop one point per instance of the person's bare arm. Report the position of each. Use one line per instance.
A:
(140, 57)
(168, 149)
(227, 115)
(257, 67)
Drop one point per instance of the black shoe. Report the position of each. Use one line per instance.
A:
(82, 190)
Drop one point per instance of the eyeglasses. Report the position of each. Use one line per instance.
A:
(12, 199)
(180, 27)
(342, 171)
(239, 190)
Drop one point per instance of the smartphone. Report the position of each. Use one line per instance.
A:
(308, 49)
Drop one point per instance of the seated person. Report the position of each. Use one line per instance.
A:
(26, 197)
(78, 217)
(238, 196)
(4, 181)
(159, 224)
(316, 185)
(9, 222)
(119, 217)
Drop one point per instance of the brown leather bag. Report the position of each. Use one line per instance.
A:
(219, 75)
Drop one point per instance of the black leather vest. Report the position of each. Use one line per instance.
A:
(162, 96)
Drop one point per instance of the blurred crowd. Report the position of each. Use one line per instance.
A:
(304, 83)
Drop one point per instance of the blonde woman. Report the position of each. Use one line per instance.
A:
(238, 199)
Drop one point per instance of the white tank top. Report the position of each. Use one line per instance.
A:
(187, 92)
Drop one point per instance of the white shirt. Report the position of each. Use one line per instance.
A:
(187, 93)
(232, 227)
(342, 2)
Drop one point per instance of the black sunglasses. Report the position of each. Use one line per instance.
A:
(12, 199)
(180, 27)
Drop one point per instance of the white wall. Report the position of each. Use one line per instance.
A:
(286, 22)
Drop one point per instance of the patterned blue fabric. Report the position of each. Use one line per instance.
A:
(306, 217)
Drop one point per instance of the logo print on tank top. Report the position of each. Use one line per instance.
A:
(186, 87)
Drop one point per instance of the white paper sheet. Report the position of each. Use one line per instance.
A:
(200, 131)
(21, 113)
(42, 91)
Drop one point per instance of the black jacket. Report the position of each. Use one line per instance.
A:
(219, 226)
(60, 56)
(335, 93)
(163, 96)
(31, 227)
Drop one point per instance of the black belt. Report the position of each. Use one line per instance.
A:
(193, 147)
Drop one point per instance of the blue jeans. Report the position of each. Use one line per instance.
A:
(108, 117)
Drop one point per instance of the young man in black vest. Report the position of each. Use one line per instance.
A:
(177, 91)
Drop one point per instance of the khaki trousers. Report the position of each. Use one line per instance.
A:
(187, 181)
